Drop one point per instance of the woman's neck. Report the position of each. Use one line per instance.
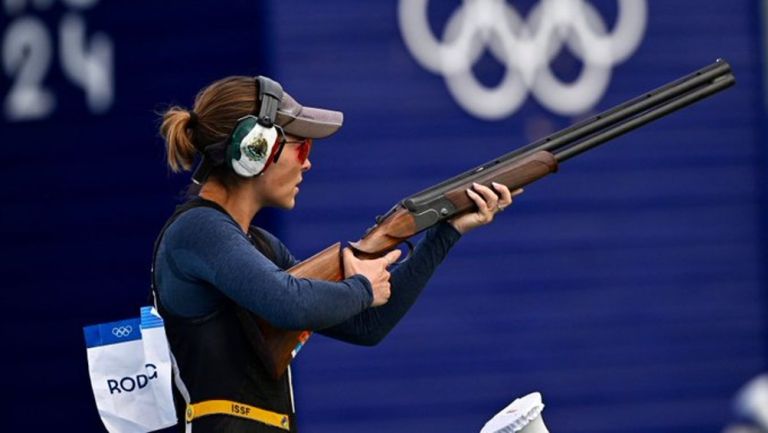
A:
(239, 201)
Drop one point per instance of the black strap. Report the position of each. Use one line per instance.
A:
(213, 155)
(270, 95)
(251, 323)
(195, 202)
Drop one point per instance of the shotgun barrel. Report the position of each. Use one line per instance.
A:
(597, 129)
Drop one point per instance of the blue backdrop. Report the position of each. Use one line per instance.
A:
(628, 288)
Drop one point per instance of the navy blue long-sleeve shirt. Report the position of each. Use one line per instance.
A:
(204, 256)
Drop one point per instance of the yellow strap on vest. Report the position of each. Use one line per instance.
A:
(226, 407)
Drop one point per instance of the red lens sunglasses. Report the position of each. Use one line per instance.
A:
(305, 147)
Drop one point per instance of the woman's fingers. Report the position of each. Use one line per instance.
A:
(482, 206)
(490, 197)
(392, 256)
(505, 197)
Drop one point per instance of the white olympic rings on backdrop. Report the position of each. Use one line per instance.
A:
(122, 331)
(525, 48)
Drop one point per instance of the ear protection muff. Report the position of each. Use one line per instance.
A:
(256, 142)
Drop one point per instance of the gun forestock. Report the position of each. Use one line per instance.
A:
(515, 174)
(430, 207)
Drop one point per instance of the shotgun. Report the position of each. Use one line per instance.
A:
(515, 169)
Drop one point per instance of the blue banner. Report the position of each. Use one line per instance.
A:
(104, 334)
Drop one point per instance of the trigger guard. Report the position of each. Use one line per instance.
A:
(408, 255)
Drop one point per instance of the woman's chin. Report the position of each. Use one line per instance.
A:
(289, 204)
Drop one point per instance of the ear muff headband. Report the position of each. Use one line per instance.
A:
(269, 97)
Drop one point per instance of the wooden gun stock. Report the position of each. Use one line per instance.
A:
(283, 345)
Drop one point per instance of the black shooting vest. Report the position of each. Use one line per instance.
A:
(219, 355)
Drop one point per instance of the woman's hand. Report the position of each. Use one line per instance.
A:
(489, 203)
(375, 270)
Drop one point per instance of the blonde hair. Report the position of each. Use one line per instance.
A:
(217, 107)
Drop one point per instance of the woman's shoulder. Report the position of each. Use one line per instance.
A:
(200, 224)
(202, 217)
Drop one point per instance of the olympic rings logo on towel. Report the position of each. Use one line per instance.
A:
(122, 331)
(525, 48)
